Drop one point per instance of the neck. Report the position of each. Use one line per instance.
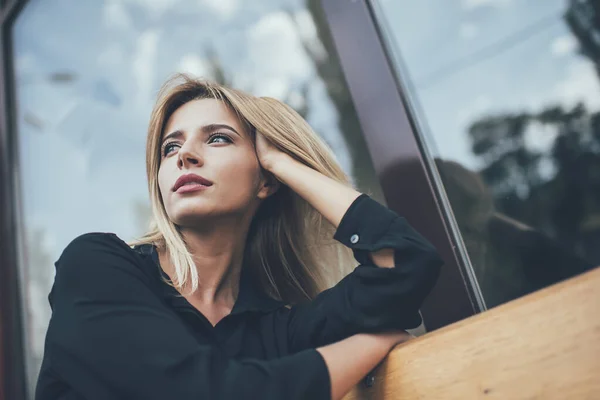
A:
(218, 253)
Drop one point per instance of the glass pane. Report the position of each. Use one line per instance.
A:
(87, 73)
(507, 96)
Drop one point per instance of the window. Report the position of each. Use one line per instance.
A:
(507, 99)
(86, 76)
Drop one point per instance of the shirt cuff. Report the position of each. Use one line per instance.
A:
(363, 227)
(312, 365)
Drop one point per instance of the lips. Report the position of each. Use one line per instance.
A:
(190, 179)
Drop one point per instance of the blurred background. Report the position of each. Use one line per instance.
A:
(503, 94)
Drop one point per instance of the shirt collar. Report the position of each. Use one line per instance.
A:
(250, 297)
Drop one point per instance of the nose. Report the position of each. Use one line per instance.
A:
(188, 157)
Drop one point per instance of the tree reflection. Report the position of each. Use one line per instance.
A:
(510, 258)
(531, 217)
(564, 205)
(583, 19)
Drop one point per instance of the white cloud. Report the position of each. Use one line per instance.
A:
(143, 63)
(112, 56)
(154, 7)
(276, 87)
(540, 137)
(308, 32)
(580, 85)
(468, 30)
(473, 4)
(480, 105)
(275, 43)
(225, 8)
(115, 15)
(296, 100)
(193, 64)
(25, 64)
(563, 45)
(276, 56)
(547, 168)
(306, 24)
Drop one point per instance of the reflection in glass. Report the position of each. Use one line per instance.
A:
(87, 73)
(510, 100)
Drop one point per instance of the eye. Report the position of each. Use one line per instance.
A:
(168, 148)
(219, 138)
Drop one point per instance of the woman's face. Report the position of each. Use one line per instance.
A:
(209, 168)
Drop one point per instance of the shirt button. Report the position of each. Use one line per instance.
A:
(354, 239)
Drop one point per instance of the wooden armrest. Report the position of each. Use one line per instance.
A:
(542, 346)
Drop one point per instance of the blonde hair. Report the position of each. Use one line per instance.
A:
(289, 245)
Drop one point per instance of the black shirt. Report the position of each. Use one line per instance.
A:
(118, 331)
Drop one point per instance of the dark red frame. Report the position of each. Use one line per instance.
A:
(407, 175)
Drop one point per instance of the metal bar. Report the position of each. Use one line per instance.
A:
(12, 357)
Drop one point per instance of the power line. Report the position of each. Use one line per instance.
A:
(488, 52)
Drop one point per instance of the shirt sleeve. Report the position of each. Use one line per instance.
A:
(111, 336)
(370, 299)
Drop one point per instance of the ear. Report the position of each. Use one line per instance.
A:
(269, 185)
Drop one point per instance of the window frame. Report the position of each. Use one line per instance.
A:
(401, 161)
(13, 379)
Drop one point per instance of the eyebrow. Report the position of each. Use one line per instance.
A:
(206, 129)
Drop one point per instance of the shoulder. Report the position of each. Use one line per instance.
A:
(101, 239)
(93, 245)
(101, 267)
(99, 255)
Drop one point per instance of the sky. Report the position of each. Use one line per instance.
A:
(540, 69)
(81, 141)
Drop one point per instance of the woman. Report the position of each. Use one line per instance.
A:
(224, 298)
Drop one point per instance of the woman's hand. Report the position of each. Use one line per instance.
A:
(268, 155)
(327, 196)
(349, 360)
(396, 338)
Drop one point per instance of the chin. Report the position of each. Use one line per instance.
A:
(190, 220)
(191, 214)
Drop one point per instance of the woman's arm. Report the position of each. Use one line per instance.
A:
(111, 337)
(370, 299)
(329, 197)
(351, 359)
